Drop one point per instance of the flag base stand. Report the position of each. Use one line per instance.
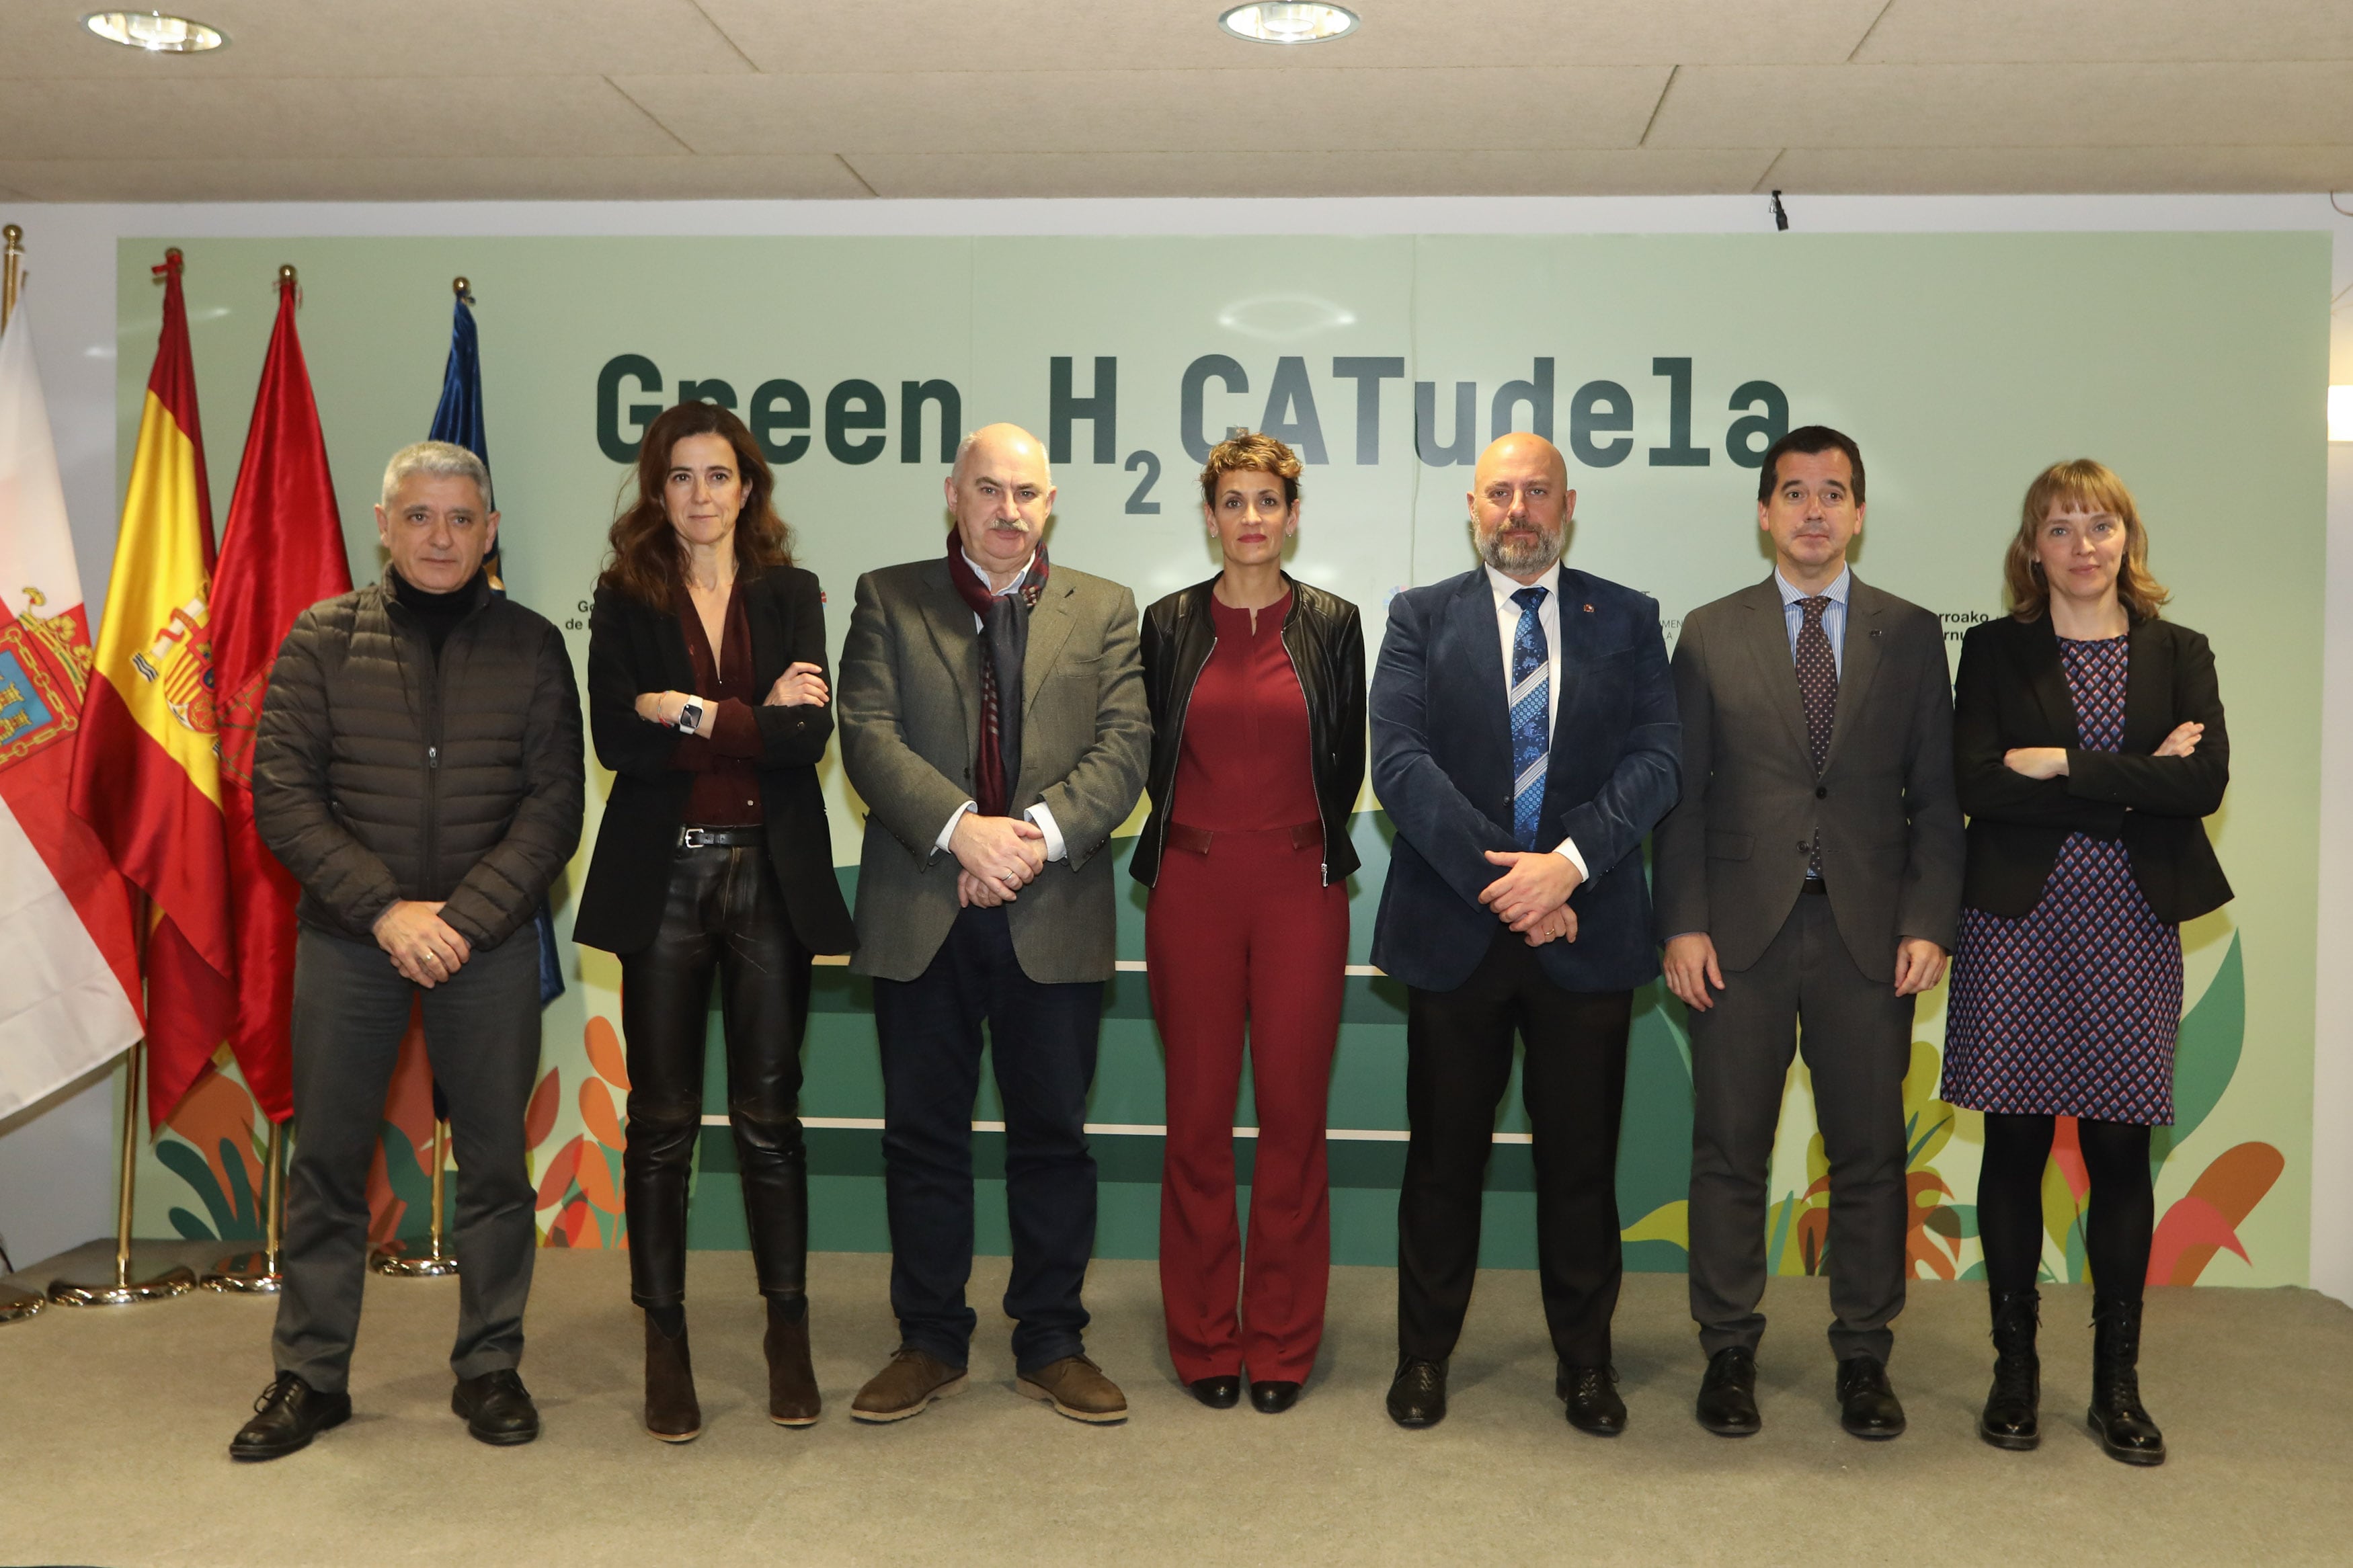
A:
(124, 1290)
(397, 1258)
(256, 1273)
(17, 1305)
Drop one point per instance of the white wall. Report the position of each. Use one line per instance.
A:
(56, 1166)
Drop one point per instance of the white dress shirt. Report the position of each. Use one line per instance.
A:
(1507, 630)
(1055, 848)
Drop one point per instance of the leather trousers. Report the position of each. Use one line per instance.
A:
(723, 916)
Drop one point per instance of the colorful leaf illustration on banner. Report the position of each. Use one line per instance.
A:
(1668, 1222)
(597, 1114)
(596, 1181)
(2207, 1218)
(574, 1225)
(218, 1116)
(604, 1054)
(2064, 1187)
(2205, 1054)
(557, 1178)
(539, 1117)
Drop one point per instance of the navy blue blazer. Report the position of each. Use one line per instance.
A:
(1442, 768)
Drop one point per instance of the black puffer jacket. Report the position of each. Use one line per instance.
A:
(379, 776)
(1326, 640)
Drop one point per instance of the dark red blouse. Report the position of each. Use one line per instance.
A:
(1245, 765)
(726, 792)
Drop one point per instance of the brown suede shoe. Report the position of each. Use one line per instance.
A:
(1076, 1387)
(672, 1413)
(792, 1383)
(905, 1387)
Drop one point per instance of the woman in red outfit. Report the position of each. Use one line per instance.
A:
(1257, 688)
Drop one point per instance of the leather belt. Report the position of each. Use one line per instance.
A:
(1818, 887)
(1197, 840)
(722, 838)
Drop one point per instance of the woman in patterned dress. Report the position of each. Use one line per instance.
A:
(2089, 744)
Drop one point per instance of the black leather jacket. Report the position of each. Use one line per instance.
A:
(1327, 644)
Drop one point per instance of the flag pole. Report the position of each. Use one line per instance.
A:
(12, 270)
(434, 1263)
(257, 1273)
(122, 1290)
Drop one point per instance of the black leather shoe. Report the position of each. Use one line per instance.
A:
(1418, 1393)
(2127, 1433)
(1867, 1404)
(1591, 1394)
(288, 1414)
(2008, 1420)
(496, 1408)
(1727, 1394)
(1217, 1393)
(1272, 1396)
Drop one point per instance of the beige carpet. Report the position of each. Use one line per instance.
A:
(113, 1426)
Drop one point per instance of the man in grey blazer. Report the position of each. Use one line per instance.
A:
(993, 720)
(1808, 879)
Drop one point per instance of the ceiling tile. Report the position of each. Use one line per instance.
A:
(804, 176)
(1614, 172)
(1159, 112)
(2091, 30)
(2006, 171)
(318, 117)
(45, 38)
(1033, 36)
(1994, 105)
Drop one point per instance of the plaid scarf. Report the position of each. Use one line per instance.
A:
(1004, 638)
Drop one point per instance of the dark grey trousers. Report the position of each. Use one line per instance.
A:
(1857, 1041)
(482, 1033)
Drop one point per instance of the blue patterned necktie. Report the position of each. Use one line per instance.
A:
(1530, 718)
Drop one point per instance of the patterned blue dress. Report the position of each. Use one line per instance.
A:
(2072, 1008)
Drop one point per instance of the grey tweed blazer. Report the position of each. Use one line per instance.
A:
(909, 718)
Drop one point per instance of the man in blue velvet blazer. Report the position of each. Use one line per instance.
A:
(1525, 740)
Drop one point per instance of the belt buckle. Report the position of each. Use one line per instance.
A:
(695, 839)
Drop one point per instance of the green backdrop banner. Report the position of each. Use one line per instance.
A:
(2194, 364)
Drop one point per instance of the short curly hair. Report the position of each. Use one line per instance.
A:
(1250, 452)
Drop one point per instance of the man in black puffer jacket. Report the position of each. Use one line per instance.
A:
(417, 768)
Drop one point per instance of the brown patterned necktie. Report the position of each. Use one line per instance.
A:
(1818, 683)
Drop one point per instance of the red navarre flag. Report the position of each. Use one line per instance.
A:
(281, 551)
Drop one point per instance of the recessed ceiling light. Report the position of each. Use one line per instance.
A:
(154, 32)
(1273, 24)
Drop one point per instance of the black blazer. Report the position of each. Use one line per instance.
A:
(1327, 644)
(2012, 693)
(634, 648)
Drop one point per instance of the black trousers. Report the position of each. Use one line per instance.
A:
(724, 917)
(1041, 1039)
(1457, 1062)
(1857, 1043)
(482, 1036)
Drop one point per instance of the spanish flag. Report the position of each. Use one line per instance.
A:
(147, 774)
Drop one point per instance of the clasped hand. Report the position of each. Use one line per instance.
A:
(1532, 895)
(997, 856)
(425, 949)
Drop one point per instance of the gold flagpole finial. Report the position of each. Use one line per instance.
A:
(463, 288)
(286, 273)
(12, 264)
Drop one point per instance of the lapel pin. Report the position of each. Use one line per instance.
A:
(1589, 610)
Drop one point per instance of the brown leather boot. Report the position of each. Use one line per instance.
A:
(906, 1386)
(672, 1413)
(791, 1382)
(1076, 1387)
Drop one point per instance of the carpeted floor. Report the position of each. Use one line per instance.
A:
(113, 1426)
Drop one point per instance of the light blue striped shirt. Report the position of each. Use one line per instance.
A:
(1834, 617)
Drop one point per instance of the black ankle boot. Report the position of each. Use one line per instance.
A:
(672, 1414)
(2008, 1420)
(793, 1399)
(2125, 1431)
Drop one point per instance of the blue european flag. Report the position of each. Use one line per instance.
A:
(459, 420)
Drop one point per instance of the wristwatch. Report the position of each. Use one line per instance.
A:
(689, 718)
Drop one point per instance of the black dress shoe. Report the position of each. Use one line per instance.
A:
(1591, 1394)
(1727, 1394)
(1217, 1393)
(496, 1408)
(1867, 1404)
(288, 1414)
(1418, 1393)
(1272, 1396)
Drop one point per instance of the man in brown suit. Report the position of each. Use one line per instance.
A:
(993, 720)
(1808, 878)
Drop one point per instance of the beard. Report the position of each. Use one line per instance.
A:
(1518, 557)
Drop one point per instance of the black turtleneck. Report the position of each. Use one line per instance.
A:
(439, 614)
